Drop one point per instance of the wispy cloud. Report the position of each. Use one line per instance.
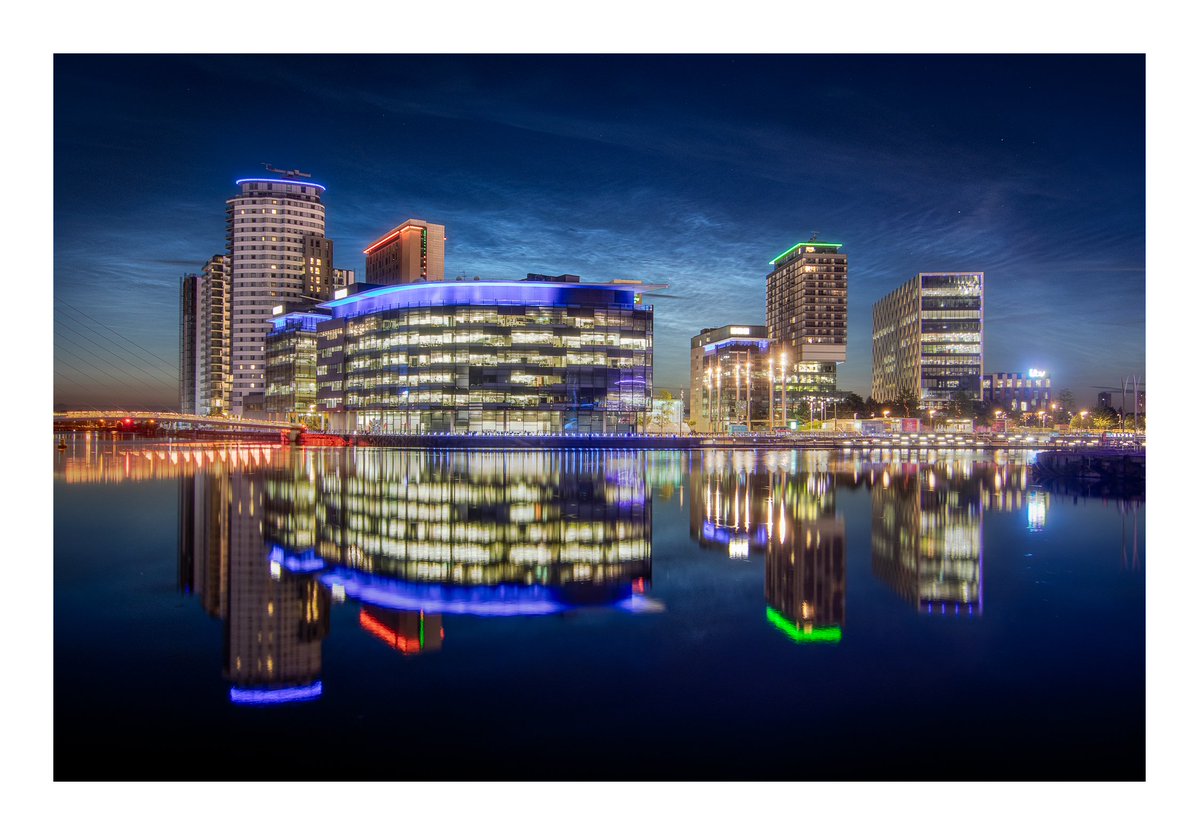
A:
(689, 171)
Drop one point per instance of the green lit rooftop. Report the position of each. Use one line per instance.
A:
(784, 254)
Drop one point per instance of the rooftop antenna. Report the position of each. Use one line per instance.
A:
(291, 174)
(815, 237)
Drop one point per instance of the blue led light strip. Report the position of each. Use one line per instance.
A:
(282, 695)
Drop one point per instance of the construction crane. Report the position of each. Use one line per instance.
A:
(291, 174)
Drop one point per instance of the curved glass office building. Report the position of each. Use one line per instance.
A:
(542, 355)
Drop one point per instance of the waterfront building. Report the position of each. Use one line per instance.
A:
(532, 356)
(204, 381)
(928, 339)
(1016, 393)
(807, 315)
(189, 299)
(291, 366)
(318, 267)
(214, 382)
(731, 379)
(273, 228)
(414, 251)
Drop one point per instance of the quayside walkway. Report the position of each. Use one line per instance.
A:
(163, 423)
(805, 440)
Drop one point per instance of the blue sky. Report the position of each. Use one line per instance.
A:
(689, 170)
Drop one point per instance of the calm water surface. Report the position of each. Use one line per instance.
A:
(279, 613)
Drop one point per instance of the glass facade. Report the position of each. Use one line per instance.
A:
(731, 373)
(291, 368)
(496, 356)
(951, 323)
(928, 338)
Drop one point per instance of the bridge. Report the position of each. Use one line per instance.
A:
(141, 421)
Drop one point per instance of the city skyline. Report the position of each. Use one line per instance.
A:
(696, 180)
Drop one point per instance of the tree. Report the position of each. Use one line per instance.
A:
(907, 401)
(853, 404)
(1105, 418)
(961, 405)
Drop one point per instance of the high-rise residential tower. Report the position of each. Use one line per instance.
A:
(188, 322)
(413, 251)
(273, 228)
(213, 381)
(928, 339)
(318, 267)
(807, 313)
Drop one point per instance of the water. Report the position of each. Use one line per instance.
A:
(278, 613)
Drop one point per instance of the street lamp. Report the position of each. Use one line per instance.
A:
(770, 365)
(783, 373)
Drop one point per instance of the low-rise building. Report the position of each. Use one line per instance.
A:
(1014, 392)
(291, 366)
(732, 374)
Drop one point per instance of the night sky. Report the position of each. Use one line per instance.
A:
(689, 170)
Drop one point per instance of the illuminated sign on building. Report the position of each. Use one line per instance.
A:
(1035, 373)
(739, 331)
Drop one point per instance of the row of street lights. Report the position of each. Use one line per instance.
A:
(713, 404)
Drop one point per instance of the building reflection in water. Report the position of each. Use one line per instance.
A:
(411, 537)
(926, 533)
(274, 619)
(782, 505)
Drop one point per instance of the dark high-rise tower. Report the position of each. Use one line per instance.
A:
(189, 287)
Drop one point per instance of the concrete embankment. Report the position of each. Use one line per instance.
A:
(1092, 465)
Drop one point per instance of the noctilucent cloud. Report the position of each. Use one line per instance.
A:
(689, 170)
